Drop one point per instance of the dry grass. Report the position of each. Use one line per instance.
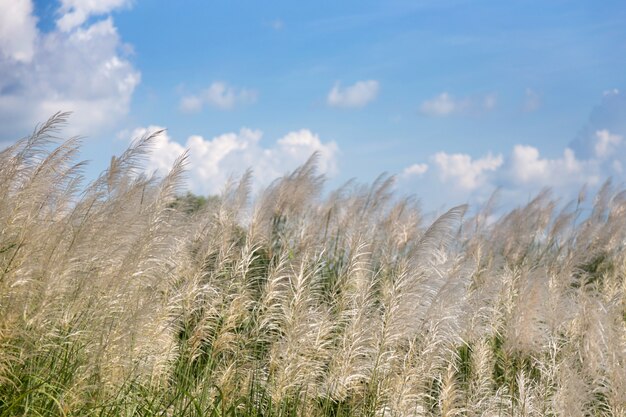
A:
(115, 301)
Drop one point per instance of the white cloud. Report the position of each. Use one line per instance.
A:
(76, 12)
(527, 166)
(213, 161)
(606, 143)
(357, 95)
(445, 104)
(532, 100)
(191, 104)
(442, 105)
(522, 173)
(18, 30)
(415, 170)
(462, 171)
(82, 71)
(598, 152)
(608, 116)
(299, 145)
(219, 95)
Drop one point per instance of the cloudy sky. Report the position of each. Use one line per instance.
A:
(456, 98)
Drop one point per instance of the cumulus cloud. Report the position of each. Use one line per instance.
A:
(606, 143)
(357, 95)
(463, 172)
(609, 115)
(219, 95)
(76, 12)
(212, 161)
(452, 178)
(415, 170)
(524, 171)
(597, 153)
(445, 104)
(18, 30)
(82, 70)
(528, 167)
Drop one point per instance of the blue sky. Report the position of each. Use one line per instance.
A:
(456, 98)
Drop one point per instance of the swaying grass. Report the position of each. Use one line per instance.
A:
(118, 300)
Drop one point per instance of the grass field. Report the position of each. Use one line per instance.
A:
(118, 299)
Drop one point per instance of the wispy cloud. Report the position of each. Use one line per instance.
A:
(277, 24)
(490, 101)
(357, 95)
(446, 104)
(532, 100)
(415, 170)
(442, 105)
(219, 95)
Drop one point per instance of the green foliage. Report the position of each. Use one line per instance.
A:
(190, 203)
(593, 272)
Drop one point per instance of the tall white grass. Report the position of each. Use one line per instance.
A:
(115, 300)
